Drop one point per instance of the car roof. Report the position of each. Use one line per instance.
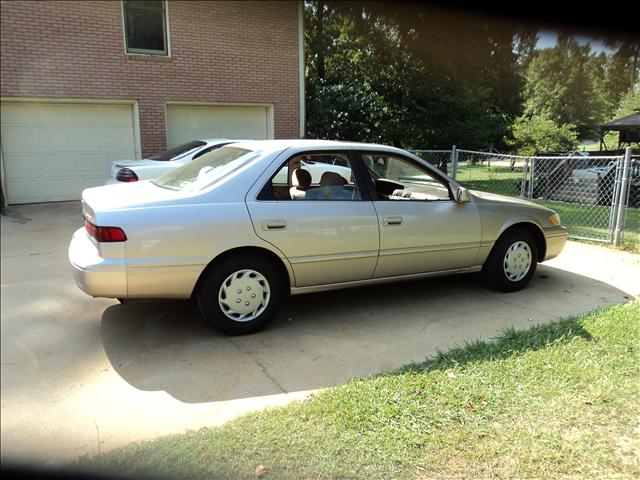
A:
(274, 145)
(218, 140)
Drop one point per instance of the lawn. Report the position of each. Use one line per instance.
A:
(553, 401)
(583, 221)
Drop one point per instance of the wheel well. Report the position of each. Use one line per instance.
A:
(535, 232)
(277, 261)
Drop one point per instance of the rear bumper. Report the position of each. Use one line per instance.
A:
(93, 274)
(555, 238)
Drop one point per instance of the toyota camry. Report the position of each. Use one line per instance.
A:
(242, 226)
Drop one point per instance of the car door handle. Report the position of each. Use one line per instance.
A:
(392, 220)
(274, 225)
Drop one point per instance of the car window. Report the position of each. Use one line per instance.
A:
(309, 177)
(177, 151)
(207, 150)
(397, 178)
(206, 170)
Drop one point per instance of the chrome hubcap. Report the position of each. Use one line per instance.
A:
(517, 261)
(244, 295)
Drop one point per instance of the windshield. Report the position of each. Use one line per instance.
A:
(177, 151)
(207, 169)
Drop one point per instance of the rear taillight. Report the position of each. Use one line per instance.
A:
(105, 234)
(126, 175)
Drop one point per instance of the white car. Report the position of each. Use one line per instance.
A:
(124, 171)
(593, 173)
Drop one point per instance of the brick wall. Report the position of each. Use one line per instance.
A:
(220, 52)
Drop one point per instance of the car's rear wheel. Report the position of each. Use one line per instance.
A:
(512, 262)
(241, 294)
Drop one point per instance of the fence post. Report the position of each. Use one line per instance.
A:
(617, 183)
(454, 162)
(532, 171)
(523, 181)
(622, 199)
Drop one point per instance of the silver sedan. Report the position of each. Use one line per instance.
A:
(242, 226)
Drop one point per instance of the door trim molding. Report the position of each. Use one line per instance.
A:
(374, 281)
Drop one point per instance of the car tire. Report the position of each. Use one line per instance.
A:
(241, 294)
(512, 261)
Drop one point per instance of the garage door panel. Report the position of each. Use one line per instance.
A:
(92, 165)
(116, 115)
(23, 166)
(46, 114)
(52, 139)
(53, 151)
(118, 139)
(55, 164)
(42, 191)
(87, 138)
(86, 115)
(188, 122)
(18, 139)
(89, 182)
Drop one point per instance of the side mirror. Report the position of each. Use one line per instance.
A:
(461, 195)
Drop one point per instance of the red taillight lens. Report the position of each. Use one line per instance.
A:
(126, 175)
(105, 234)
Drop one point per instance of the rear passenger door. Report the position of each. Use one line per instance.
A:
(329, 234)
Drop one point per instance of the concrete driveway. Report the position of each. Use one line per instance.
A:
(83, 375)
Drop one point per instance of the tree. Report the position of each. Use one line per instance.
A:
(560, 86)
(630, 102)
(437, 80)
(536, 133)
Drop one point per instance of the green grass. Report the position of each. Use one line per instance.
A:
(494, 179)
(580, 219)
(583, 221)
(554, 401)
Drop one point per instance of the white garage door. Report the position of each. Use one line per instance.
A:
(189, 122)
(52, 151)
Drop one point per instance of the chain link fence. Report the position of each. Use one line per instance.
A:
(492, 172)
(441, 159)
(582, 189)
(586, 191)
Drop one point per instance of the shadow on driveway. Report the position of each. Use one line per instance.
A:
(324, 339)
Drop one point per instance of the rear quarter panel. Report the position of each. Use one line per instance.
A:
(168, 247)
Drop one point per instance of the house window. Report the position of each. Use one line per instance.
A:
(145, 26)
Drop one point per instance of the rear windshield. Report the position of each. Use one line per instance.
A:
(177, 151)
(206, 170)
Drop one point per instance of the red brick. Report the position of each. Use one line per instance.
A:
(220, 52)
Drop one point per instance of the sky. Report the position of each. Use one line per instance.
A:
(548, 38)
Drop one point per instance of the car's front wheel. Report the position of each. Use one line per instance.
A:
(241, 294)
(512, 262)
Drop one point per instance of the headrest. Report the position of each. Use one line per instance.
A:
(301, 178)
(330, 179)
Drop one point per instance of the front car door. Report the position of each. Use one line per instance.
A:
(327, 226)
(422, 229)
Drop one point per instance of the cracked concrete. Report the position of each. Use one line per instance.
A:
(262, 367)
(82, 376)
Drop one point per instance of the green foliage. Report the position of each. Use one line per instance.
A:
(536, 133)
(570, 84)
(560, 87)
(426, 84)
(630, 103)
(347, 112)
(419, 78)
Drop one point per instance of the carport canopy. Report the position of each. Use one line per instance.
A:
(628, 128)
